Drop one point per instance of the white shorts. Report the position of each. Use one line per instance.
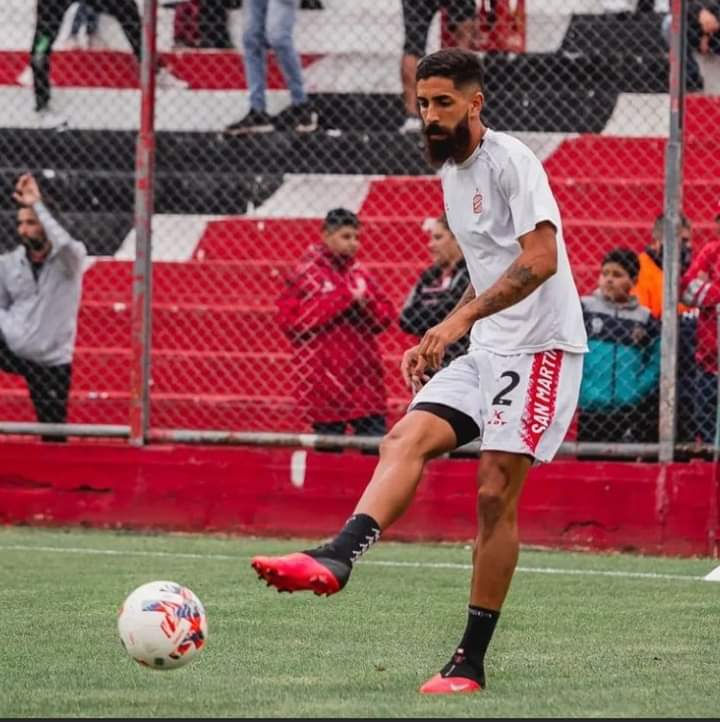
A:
(522, 404)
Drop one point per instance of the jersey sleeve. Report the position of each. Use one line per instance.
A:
(526, 187)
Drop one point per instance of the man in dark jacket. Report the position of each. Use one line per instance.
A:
(438, 289)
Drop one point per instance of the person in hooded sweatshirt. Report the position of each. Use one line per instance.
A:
(619, 390)
(332, 310)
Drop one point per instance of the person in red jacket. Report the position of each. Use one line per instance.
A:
(700, 287)
(332, 311)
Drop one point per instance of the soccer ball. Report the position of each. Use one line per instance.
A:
(162, 625)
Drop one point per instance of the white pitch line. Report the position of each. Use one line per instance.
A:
(369, 562)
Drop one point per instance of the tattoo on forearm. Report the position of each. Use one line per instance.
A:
(522, 275)
(515, 284)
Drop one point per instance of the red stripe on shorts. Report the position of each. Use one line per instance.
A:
(541, 396)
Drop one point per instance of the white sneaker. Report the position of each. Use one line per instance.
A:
(412, 124)
(166, 80)
(72, 43)
(97, 42)
(50, 120)
(25, 78)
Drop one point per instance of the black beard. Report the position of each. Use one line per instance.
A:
(452, 145)
(34, 244)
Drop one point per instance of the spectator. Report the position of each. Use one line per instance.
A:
(40, 285)
(438, 289)
(649, 292)
(649, 287)
(417, 16)
(202, 24)
(703, 36)
(49, 19)
(270, 23)
(85, 17)
(700, 287)
(332, 311)
(619, 391)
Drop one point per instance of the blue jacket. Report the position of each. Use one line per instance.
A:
(623, 364)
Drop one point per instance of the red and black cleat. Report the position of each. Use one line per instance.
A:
(450, 685)
(301, 572)
(458, 676)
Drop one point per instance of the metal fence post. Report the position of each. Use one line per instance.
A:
(142, 270)
(671, 251)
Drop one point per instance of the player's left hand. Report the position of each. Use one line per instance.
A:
(436, 339)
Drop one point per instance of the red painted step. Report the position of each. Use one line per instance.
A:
(404, 197)
(287, 239)
(254, 374)
(613, 200)
(206, 69)
(613, 158)
(221, 412)
(242, 283)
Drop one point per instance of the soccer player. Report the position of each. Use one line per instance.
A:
(516, 388)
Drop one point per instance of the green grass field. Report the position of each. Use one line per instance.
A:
(581, 635)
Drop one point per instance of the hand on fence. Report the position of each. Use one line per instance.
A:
(27, 191)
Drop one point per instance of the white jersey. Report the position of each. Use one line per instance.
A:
(491, 199)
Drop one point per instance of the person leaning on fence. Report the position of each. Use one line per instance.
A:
(332, 311)
(40, 288)
(700, 287)
(619, 391)
(438, 289)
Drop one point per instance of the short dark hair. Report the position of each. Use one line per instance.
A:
(660, 220)
(461, 66)
(626, 258)
(338, 217)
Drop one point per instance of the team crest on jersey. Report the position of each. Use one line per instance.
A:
(477, 203)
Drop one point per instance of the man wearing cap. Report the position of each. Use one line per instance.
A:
(700, 287)
(332, 310)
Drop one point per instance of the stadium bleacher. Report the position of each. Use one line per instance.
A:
(234, 214)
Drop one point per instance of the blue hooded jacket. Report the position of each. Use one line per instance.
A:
(623, 364)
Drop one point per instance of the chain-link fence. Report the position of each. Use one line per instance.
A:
(298, 240)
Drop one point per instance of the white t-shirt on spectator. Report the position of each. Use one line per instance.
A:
(491, 199)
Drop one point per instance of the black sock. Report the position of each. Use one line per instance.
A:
(357, 536)
(469, 658)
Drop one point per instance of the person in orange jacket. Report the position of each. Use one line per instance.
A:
(649, 292)
(649, 287)
(332, 310)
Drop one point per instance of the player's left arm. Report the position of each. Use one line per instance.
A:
(536, 263)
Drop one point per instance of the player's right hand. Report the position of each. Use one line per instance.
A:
(413, 367)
